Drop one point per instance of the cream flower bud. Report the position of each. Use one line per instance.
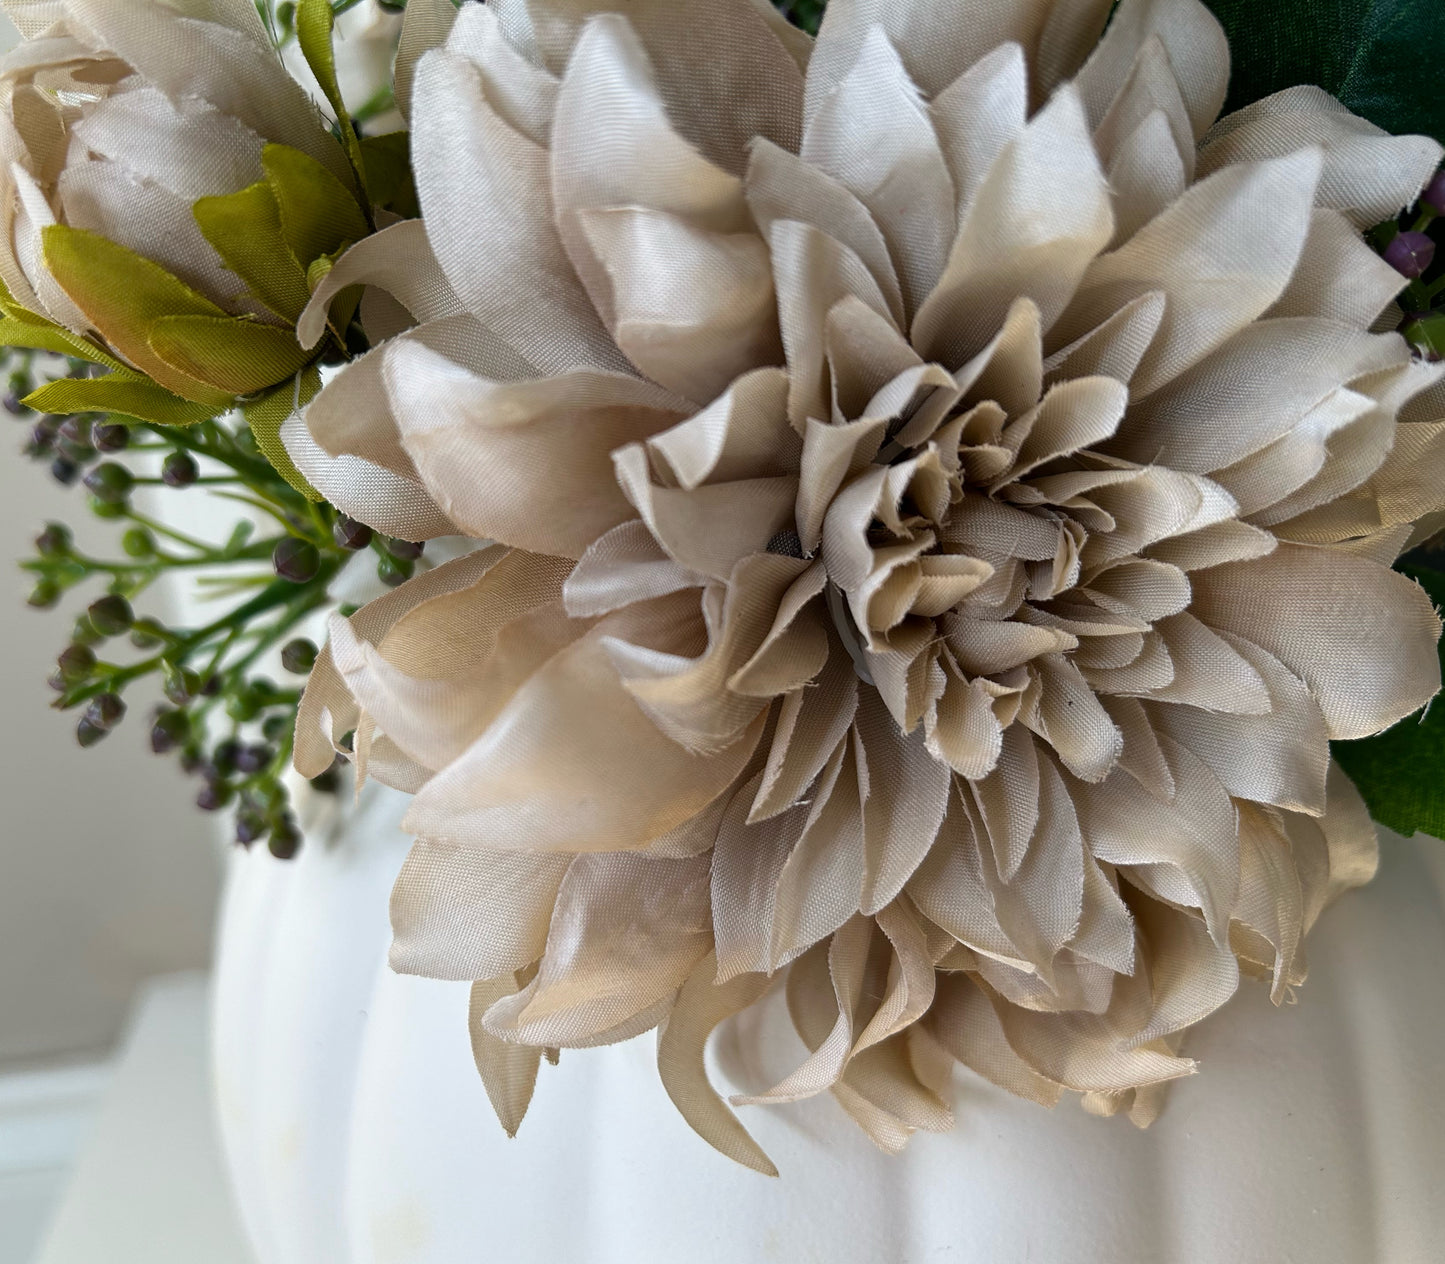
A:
(147, 150)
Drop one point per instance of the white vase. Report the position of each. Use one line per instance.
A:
(357, 1131)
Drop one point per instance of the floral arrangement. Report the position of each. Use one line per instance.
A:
(939, 514)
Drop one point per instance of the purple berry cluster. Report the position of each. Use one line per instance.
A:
(227, 724)
(1410, 245)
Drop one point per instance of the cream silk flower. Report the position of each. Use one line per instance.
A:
(117, 118)
(945, 488)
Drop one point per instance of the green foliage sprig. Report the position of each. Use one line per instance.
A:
(212, 704)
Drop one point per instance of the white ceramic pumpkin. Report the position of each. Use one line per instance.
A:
(358, 1132)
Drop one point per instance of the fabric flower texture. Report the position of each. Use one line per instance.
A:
(944, 488)
(166, 187)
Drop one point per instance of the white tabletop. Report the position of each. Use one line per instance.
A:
(149, 1187)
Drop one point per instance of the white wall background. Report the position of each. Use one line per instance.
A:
(108, 874)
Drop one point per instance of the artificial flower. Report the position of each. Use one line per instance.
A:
(944, 486)
(166, 189)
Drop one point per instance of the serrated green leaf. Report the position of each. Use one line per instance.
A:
(1382, 58)
(245, 229)
(268, 414)
(237, 356)
(120, 393)
(389, 175)
(1401, 772)
(122, 294)
(318, 214)
(314, 25)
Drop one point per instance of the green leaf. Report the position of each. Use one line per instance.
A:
(807, 14)
(268, 414)
(1428, 333)
(122, 294)
(125, 394)
(1401, 772)
(245, 229)
(235, 355)
(314, 23)
(240, 534)
(41, 335)
(388, 173)
(1382, 58)
(318, 214)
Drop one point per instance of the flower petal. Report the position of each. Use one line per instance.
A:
(1368, 174)
(1222, 255)
(626, 933)
(479, 180)
(573, 764)
(523, 462)
(1040, 217)
(467, 913)
(1360, 636)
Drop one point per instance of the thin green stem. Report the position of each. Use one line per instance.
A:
(226, 480)
(180, 537)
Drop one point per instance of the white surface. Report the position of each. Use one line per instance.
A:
(106, 875)
(45, 1117)
(149, 1187)
(361, 1134)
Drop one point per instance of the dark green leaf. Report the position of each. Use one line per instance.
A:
(388, 173)
(805, 13)
(1401, 772)
(1382, 58)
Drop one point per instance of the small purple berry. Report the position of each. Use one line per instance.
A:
(74, 433)
(76, 662)
(1410, 254)
(111, 616)
(110, 438)
(169, 730)
(1434, 194)
(64, 471)
(42, 436)
(250, 826)
(296, 560)
(285, 838)
(105, 711)
(110, 483)
(88, 733)
(54, 541)
(179, 470)
(213, 796)
(350, 534)
(253, 759)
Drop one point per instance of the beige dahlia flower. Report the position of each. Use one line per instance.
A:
(945, 490)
